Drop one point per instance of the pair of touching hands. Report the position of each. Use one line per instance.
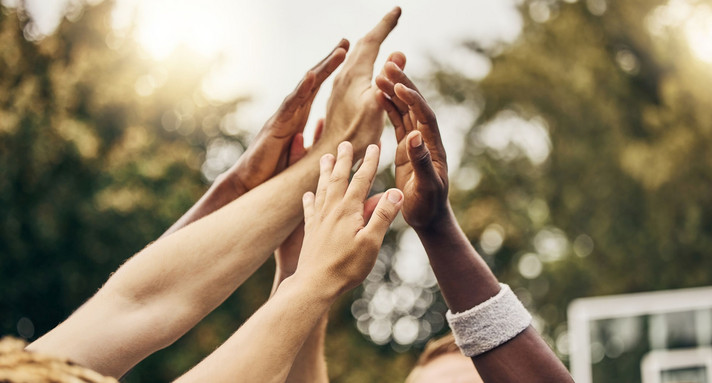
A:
(421, 168)
(342, 229)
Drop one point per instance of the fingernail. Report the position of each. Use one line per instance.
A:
(371, 149)
(325, 160)
(394, 196)
(416, 141)
(341, 148)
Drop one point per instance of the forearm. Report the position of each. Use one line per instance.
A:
(464, 278)
(309, 364)
(186, 274)
(466, 281)
(213, 199)
(274, 335)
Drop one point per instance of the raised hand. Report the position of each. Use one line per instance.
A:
(352, 111)
(421, 163)
(340, 244)
(268, 154)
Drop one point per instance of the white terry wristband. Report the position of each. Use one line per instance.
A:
(489, 324)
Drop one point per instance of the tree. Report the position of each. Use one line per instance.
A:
(100, 150)
(593, 150)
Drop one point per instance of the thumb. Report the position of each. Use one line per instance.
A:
(369, 206)
(419, 156)
(383, 215)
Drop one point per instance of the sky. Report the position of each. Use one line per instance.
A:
(266, 46)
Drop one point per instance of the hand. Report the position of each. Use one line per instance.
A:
(260, 162)
(352, 111)
(421, 163)
(340, 244)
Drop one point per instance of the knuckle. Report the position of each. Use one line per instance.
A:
(423, 158)
(335, 178)
(360, 178)
(383, 215)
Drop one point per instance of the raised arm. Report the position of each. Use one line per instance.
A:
(353, 106)
(267, 154)
(464, 278)
(164, 290)
(340, 248)
(309, 364)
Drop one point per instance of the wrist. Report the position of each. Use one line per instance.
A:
(441, 223)
(321, 290)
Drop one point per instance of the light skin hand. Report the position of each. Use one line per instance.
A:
(335, 223)
(352, 111)
(340, 248)
(259, 163)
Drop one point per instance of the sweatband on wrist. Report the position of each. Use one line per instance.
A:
(489, 324)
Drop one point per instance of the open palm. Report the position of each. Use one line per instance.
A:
(421, 163)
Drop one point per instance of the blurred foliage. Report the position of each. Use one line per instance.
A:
(627, 181)
(101, 150)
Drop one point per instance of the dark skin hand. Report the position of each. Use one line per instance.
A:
(464, 278)
(259, 163)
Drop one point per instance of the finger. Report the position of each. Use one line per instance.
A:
(393, 114)
(318, 130)
(383, 215)
(422, 113)
(327, 66)
(339, 179)
(296, 149)
(307, 88)
(420, 157)
(397, 58)
(396, 75)
(363, 178)
(386, 86)
(343, 45)
(326, 165)
(369, 206)
(299, 96)
(308, 204)
(368, 46)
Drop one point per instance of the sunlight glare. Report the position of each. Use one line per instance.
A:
(165, 25)
(699, 33)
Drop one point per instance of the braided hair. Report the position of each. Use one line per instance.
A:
(20, 366)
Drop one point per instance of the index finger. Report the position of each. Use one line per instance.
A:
(328, 65)
(363, 178)
(422, 113)
(367, 47)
